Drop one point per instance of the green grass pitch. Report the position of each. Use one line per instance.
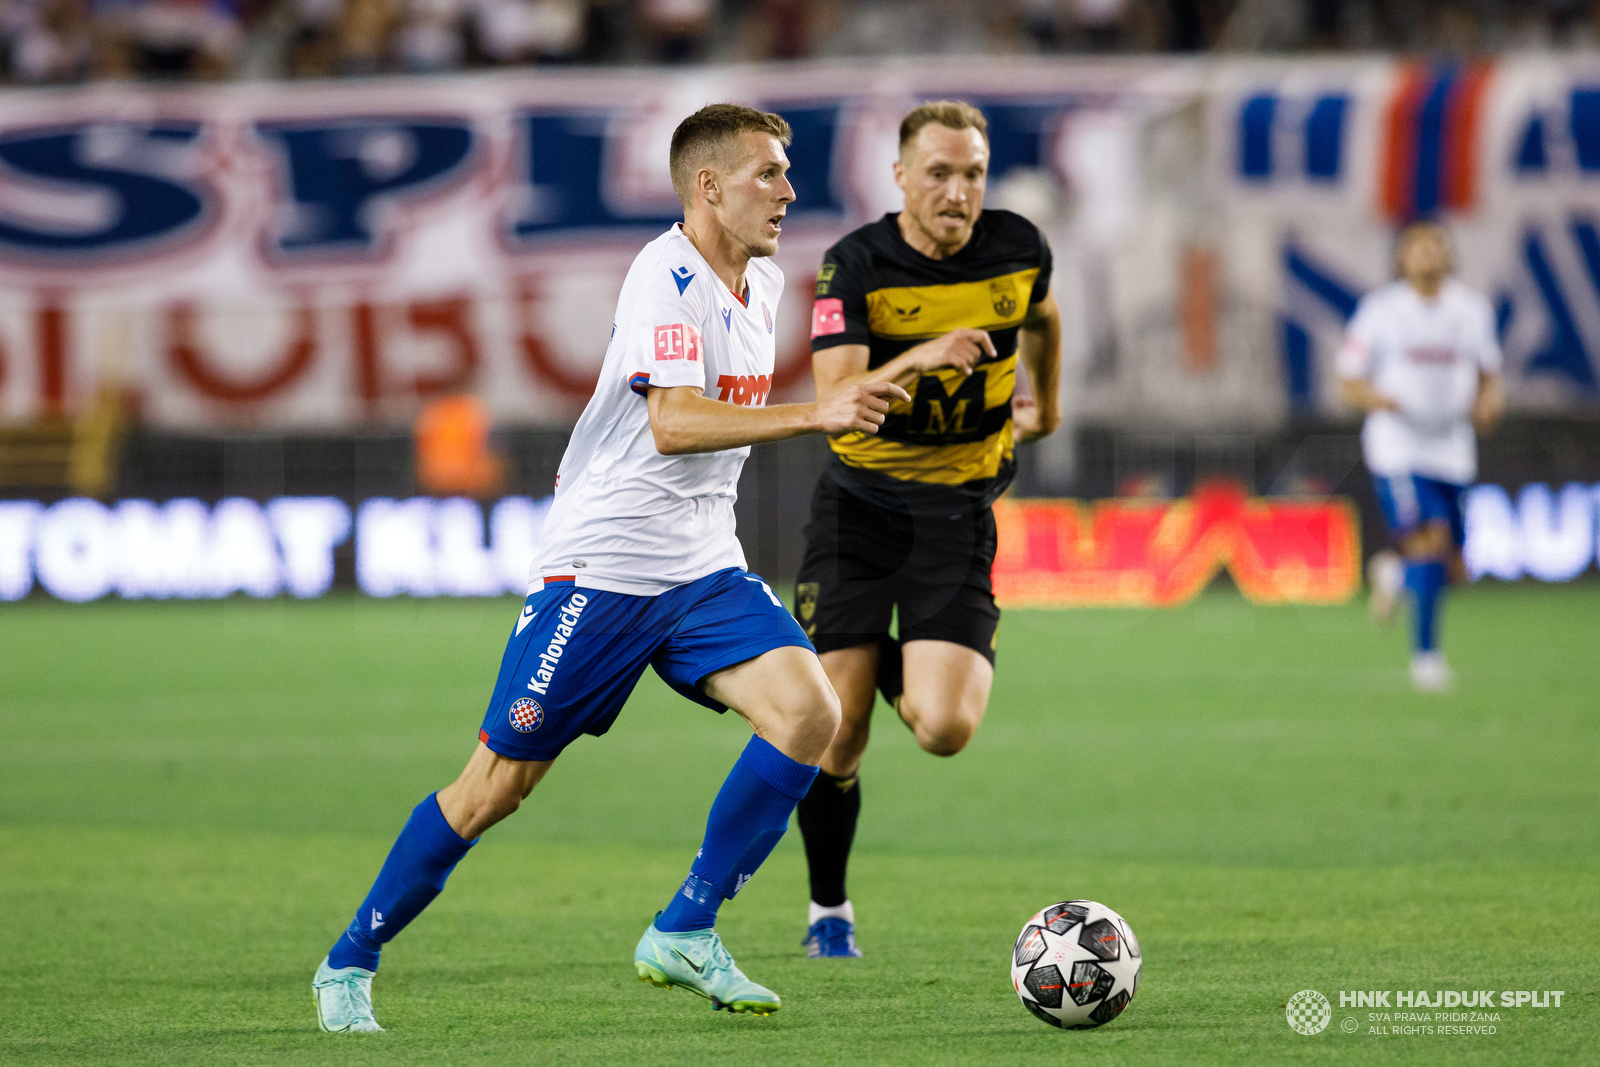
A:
(194, 798)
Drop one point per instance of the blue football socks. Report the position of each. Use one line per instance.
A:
(1426, 580)
(418, 864)
(747, 820)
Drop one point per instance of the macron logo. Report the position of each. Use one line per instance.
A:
(682, 277)
(528, 615)
(727, 318)
(377, 919)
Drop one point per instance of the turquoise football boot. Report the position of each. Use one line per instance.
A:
(344, 999)
(696, 960)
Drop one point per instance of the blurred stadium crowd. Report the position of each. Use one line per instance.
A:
(64, 41)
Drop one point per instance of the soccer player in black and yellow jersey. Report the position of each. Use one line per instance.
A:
(943, 299)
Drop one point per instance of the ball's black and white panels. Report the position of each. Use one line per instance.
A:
(1076, 964)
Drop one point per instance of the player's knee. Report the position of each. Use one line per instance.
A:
(822, 710)
(1430, 541)
(817, 713)
(806, 708)
(945, 737)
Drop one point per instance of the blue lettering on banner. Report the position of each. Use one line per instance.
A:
(1296, 351)
(811, 155)
(340, 174)
(1255, 136)
(1532, 157)
(561, 157)
(1324, 138)
(1564, 353)
(1320, 125)
(561, 164)
(1585, 120)
(136, 166)
(1299, 361)
(1321, 282)
(1535, 156)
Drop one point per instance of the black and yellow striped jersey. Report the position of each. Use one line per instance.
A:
(954, 439)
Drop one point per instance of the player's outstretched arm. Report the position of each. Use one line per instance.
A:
(843, 366)
(1039, 349)
(1490, 404)
(685, 421)
(1359, 394)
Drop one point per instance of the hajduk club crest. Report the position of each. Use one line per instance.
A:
(526, 715)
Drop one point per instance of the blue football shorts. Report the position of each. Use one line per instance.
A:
(576, 654)
(1410, 502)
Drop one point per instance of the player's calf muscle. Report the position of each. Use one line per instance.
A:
(851, 673)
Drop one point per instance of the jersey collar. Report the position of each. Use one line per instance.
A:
(744, 301)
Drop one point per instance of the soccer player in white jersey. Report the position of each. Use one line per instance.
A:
(1421, 359)
(639, 566)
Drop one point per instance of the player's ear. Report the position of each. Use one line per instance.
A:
(705, 179)
(900, 174)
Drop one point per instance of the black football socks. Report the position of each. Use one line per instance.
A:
(827, 819)
(830, 810)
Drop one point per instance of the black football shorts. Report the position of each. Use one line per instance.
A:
(864, 562)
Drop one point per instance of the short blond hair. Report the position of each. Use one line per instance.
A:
(704, 137)
(955, 114)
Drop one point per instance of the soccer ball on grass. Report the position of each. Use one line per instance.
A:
(1076, 965)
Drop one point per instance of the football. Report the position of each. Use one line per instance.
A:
(1076, 965)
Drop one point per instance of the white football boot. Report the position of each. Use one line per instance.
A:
(1430, 673)
(344, 999)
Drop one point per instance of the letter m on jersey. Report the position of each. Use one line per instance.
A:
(946, 417)
(678, 341)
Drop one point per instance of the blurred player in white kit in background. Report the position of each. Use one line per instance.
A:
(1421, 358)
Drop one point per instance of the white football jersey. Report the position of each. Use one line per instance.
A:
(1426, 356)
(626, 518)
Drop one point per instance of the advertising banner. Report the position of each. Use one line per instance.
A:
(1051, 553)
(1160, 553)
(325, 256)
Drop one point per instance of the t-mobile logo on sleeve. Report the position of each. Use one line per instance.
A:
(678, 341)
